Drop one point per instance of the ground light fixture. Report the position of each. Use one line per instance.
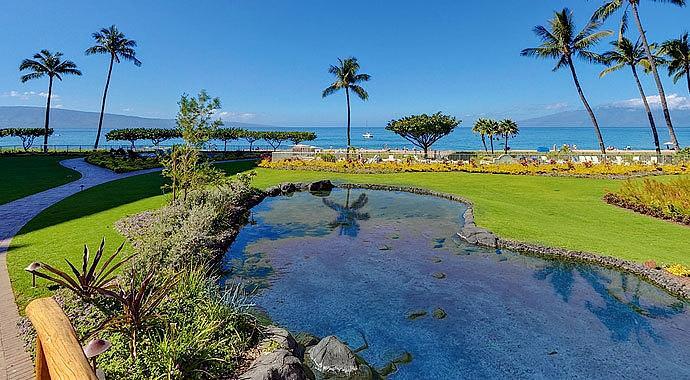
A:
(95, 348)
(32, 268)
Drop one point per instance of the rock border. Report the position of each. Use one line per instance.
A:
(474, 234)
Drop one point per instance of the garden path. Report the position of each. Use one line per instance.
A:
(15, 362)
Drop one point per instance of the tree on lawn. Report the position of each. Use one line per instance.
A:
(507, 128)
(423, 130)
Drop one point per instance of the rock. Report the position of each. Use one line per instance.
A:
(278, 338)
(277, 365)
(439, 275)
(321, 186)
(333, 357)
(439, 313)
(476, 235)
(305, 340)
(287, 188)
(416, 314)
(384, 248)
(273, 191)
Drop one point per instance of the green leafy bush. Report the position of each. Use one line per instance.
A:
(122, 162)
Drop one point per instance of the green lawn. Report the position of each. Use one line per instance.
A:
(563, 212)
(26, 175)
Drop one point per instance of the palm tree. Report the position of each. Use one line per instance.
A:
(678, 52)
(507, 128)
(348, 214)
(561, 42)
(608, 9)
(46, 63)
(114, 43)
(347, 77)
(627, 54)
(482, 126)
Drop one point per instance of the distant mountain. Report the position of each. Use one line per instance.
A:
(609, 116)
(34, 117)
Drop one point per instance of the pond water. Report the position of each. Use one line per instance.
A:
(358, 264)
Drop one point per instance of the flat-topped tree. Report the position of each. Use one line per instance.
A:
(560, 41)
(51, 65)
(158, 135)
(126, 134)
(250, 136)
(300, 137)
(27, 135)
(227, 134)
(275, 139)
(423, 130)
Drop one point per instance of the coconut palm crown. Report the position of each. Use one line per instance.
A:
(678, 53)
(624, 54)
(561, 42)
(112, 42)
(45, 63)
(347, 77)
(609, 8)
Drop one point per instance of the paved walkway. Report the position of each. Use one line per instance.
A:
(15, 362)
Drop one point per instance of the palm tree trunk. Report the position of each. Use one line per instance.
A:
(652, 124)
(347, 94)
(484, 143)
(225, 146)
(105, 95)
(600, 139)
(47, 123)
(492, 144)
(505, 146)
(687, 75)
(655, 72)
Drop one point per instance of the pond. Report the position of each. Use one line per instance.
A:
(388, 267)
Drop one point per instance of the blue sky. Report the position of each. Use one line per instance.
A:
(267, 60)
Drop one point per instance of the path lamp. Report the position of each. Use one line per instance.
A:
(95, 348)
(32, 268)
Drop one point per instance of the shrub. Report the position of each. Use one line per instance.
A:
(121, 161)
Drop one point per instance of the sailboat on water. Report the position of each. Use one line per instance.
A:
(367, 135)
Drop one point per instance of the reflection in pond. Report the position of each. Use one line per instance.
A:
(348, 215)
(507, 315)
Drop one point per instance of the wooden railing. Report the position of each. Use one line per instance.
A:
(58, 352)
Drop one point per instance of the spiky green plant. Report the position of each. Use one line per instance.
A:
(678, 53)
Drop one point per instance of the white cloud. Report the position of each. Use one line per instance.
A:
(236, 116)
(674, 101)
(557, 106)
(28, 95)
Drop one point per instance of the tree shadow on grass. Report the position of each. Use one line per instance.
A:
(111, 195)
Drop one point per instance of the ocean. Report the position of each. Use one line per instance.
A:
(461, 139)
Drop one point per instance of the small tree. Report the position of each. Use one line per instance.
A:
(126, 134)
(227, 134)
(506, 129)
(299, 137)
(250, 136)
(196, 124)
(423, 130)
(27, 135)
(158, 135)
(275, 139)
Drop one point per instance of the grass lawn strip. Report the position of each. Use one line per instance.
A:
(25, 175)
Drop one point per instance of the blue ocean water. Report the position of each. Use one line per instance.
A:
(356, 263)
(461, 139)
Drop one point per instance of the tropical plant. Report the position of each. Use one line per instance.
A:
(484, 127)
(27, 135)
(225, 135)
(347, 77)
(507, 128)
(612, 6)
(90, 280)
(112, 42)
(127, 134)
(627, 54)
(423, 130)
(196, 123)
(678, 53)
(48, 64)
(560, 41)
(275, 139)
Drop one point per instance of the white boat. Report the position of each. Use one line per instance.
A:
(368, 135)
